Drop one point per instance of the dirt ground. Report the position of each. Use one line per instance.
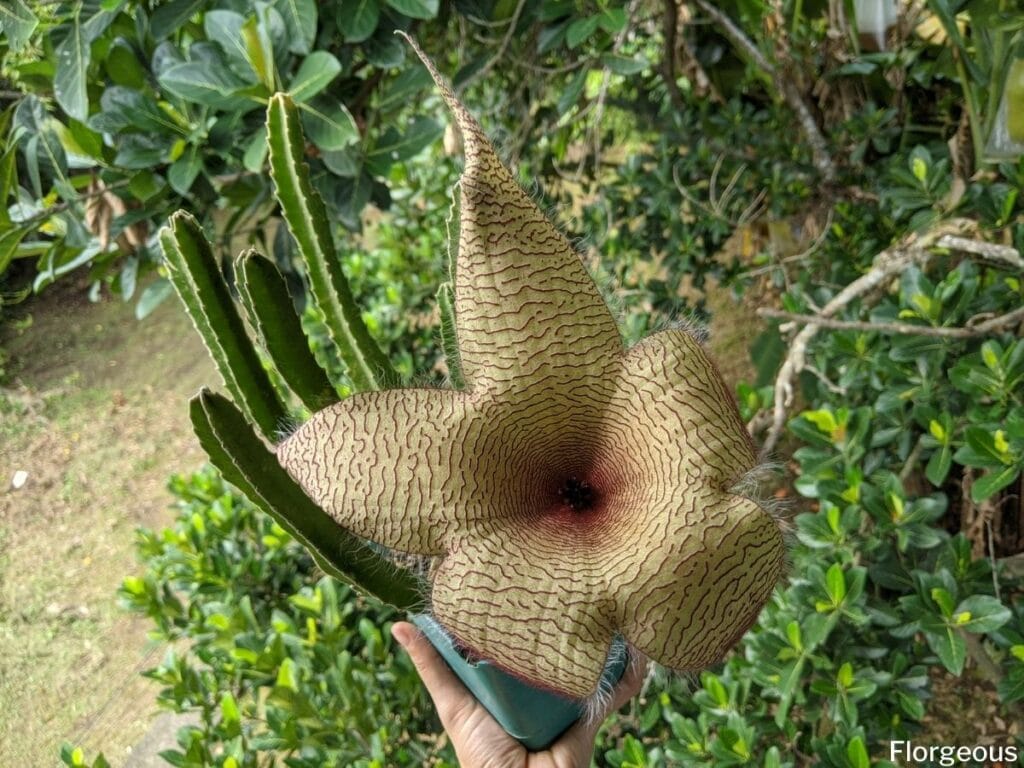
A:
(94, 411)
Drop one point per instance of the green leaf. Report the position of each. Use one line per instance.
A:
(622, 65)
(300, 18)
(835, 582)
(415, 9)
(212, 86)
(269, 306)
(153, 296)
(9, 242)
(170, 17)
(194, 273)
(359, 20)
(17, 22)
(329, 124)
(225, 29)
(981, 614)
(857, 753)
(612, 20)
(124, 108)
(69, 82)
(944, 600)
(123, 66)
(989, 484)
(256, 151)
(950, 647)
(246, 463)
(939, 464)
(259, 52)
(315, 73)
(185, 169)
(306, 215)
(395, 147)
(580, 30)
(981, 449)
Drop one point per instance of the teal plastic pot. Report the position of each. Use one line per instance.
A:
(535, 718)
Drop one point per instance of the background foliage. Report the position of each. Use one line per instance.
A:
(673, 143)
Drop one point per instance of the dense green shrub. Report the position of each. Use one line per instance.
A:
(279, 660)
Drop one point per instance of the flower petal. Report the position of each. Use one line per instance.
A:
(545, 622)
(712, 564)
(525, 307)
(387, 465)
(687, 419)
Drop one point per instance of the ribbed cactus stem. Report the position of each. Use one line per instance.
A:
(198, 281)
(307, 219)
(271, 313)
(449, 339)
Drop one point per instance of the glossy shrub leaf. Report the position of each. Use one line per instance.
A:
(950, 647)
(300, 20)
(205, 83)
(307, 219)
(329, 124)
(415, 9)
(981, 613)
(153, 295)
(196, 277)
(315, 73)
(359, 20)
(69, 82)
(269, 307)
(245, 462)
(17, 22)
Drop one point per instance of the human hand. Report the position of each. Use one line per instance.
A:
(479, 741)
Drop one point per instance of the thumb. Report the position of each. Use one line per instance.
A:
(455, 705)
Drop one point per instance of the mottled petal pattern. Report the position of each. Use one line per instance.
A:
(538, 618)
(706, 574)
(387, 465)
(525, 307)
(669, 384)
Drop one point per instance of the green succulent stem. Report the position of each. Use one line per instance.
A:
(449, 339)
(246, 463)
(269, 306)
(194, 273)
(307, 219)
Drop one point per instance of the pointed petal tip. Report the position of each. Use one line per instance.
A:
(472, 134)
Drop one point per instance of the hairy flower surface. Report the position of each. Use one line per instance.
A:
(574, 489)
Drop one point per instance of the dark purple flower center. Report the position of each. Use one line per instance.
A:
(577, 494)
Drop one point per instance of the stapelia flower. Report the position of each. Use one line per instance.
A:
(573, 489)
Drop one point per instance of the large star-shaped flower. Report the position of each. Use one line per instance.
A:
(574, 489)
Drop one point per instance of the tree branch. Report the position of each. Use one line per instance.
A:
(889, 263)
(985, 328)
(786, 87)
(669, 21)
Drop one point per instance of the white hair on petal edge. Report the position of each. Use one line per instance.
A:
(597, 706)
(689, 321)
(751, 485)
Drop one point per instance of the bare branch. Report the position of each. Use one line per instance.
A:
(915, 249)
(1005, 254)
(790, 93)
(985, 328)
